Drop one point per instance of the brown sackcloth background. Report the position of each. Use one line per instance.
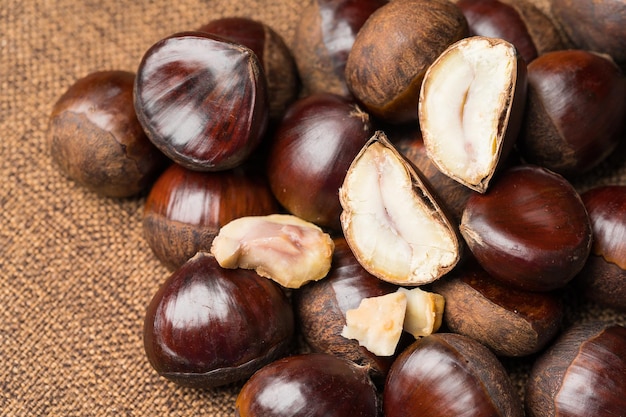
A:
(75, 272)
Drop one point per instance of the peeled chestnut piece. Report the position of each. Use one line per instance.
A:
(393, 50)
(509, 321)
(470, 108)
(308, 385)
(324, 37)
(185, 209)
(310, 153)
(95, 138)
(582, 374)
(321, 309)
(275, 57)
(530, 230)
(575, 111)
(208, 326)
(449, 375)
(202, 100)
(603, 278)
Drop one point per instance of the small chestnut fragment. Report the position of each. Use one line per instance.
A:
(393, 50)
(445, 375)
(530, 230)
(582, 374)
(202, 100)
(208, 326)
(308, 385)
(392, 222)
(470, 108)
(95, 138)
(603, 278)
(281, 247)
(185, 209)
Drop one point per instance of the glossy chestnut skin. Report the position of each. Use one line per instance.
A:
(207, 326)
(311, 152)
(574, 112)
(603, 278)
(308, 385)
(509, 321)
(95, 138)
(202, 100)
(274, 55)
(185, 209)
(447, 374)
(321, 307)
(582, 374)
(530, 230)
(323, 39)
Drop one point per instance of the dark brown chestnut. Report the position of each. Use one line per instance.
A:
(603, 278)
(308, 385)
(509, 321)
(582, 374)
(321, 309)
(393, 50)
(185, 209)
(574, 112)
(530, 230)
(202, 100)
(207, 326)
(96, 140)
(324, 37)
(310, 153)
(447, 374)
(274, 55)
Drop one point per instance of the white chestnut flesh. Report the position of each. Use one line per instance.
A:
(424, 311)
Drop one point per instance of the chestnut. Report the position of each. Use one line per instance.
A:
(447, 374)
(308, 385)
(95, 138)
(323, 39)
(310, 153)
(603, 278)
(185, 209)
(582, 374)
(574, 113)
(530, 230)
(202, 100)
(207, 326)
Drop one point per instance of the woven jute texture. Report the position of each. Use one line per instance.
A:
(76, 274)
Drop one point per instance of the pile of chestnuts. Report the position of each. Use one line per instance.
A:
(406, 164)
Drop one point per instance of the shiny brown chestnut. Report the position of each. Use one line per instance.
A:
(185, 209)
(603, 278)
(202, 100)
(574, 113)
(308, 385)
(274, 55)
(324, 37)
(509, 321)
(530, 230)
(393, 50)
(445, 375)
(321, 308)
(207, 326)
(582, 374)
(310, 153)
(96, 140)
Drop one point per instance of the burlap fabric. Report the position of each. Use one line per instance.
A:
(75, 272)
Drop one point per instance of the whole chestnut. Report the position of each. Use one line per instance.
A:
(582, 374)
(202, 100)
(308, 385)
(185, 209)
(95, 138)
(207, 326)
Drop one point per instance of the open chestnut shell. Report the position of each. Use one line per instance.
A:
(207, 326)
